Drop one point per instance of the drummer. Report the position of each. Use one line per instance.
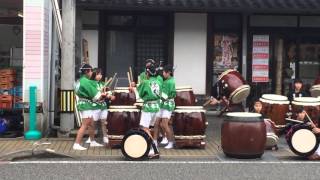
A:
(298, 90)
(150, 91)
(272, 138)
(87, 92)
(167, 106)
(102, 113)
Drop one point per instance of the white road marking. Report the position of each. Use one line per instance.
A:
(162, 162)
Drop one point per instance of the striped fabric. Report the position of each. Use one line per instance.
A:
(67, 101)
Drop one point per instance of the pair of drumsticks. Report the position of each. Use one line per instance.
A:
(130, 76)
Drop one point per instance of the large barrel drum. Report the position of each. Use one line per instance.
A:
(232, 85)
(243, 135)
(185, 96)
(121, 119)
(310, 104)
(123, 97)
(189, 125)
(275, 107)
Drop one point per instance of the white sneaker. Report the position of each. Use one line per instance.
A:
(95, 144)
(88, 141)
(151, 152)
(106, 140)
(169, 146)
(77, 146)
(164, 141)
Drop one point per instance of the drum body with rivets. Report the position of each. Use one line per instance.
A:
(243, 135)
(233, 86)
(275, 107)
(185, 96)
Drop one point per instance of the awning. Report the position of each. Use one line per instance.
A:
(280, 6)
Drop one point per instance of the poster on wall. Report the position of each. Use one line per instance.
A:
(226, 48)
(260, 58)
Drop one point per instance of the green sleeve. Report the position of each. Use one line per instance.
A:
(141, 89)
(92, 90)
(172, 90)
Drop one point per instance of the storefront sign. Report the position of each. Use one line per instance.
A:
(260, 58)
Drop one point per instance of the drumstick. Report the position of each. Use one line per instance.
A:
(113, 78)
(309, 118)
(294, 120)
(108, 81)
(207, 103)
(128, 74)
(131, 75)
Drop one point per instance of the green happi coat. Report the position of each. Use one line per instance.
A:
(101, 104)
(150, 90)
(88, 93)
(168, 94)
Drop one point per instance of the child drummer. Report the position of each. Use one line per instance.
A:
(167, 106)
(150, 91)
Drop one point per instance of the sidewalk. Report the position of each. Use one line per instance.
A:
(11, 148)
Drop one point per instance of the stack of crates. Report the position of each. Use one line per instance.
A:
(7, 83)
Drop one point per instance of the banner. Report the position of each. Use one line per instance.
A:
(260, 58)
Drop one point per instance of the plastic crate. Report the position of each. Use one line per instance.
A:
(7, 79)
(17, 91)
(6, 98)
(8, 71)
(6, 105)
(7, 86)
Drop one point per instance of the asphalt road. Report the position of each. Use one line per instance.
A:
(202, 168)
(149, 170)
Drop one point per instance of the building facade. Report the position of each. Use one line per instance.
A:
(270, 42)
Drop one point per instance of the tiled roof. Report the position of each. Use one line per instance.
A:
(205, 5)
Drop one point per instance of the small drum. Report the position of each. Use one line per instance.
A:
(189, 122)
(310, 104)
(275, 107)
(185, 96)
(301, 140)
(315, 89)
(121, 119)
(123, 96)
(243, 135)
(272, 138)
(136, 144)
(233, 86)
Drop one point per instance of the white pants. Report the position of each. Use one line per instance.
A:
(163, 113)
(100, 114)
(147, 119)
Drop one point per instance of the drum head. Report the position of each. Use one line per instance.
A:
(183, 88)
(135, 145)
(240, 94)
(274, 99)
(303, 142)
(306, 101)
(243, 114)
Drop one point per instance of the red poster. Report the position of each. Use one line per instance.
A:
(260, 58)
